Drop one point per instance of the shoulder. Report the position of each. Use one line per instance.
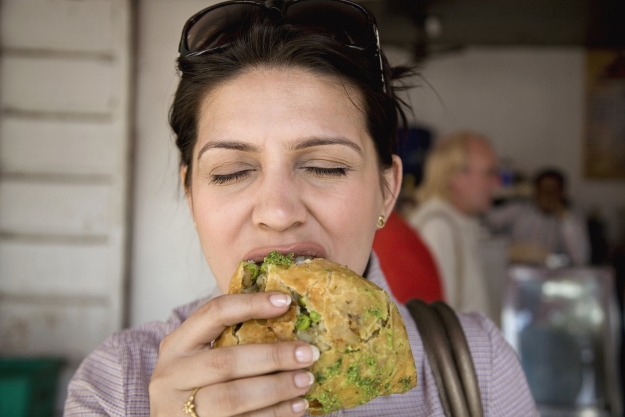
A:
(438, 233)
(116, 375)
(501, 379)
(484, 340)
(434, 213)
(427, 207)
(502, 382)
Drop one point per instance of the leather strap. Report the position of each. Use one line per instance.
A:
(450, 359)
(462, 357)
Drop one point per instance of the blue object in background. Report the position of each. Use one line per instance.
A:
(413, 149)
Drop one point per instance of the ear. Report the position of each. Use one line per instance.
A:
(392, 180)
(187, 191)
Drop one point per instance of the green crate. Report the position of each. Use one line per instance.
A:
(28, 386)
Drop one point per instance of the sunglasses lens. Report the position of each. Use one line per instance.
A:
(219, 26)
(345, 22)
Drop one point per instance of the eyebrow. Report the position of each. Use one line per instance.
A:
(228, 144)
(312, 142)
(308, 143)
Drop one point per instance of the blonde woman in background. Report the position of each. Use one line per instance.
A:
(459, 180)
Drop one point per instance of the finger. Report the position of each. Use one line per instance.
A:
(207, 323)
(242, 361)
(296, 407)
(250, 394)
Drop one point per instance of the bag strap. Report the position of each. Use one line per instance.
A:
(462, 357)
(450, 359)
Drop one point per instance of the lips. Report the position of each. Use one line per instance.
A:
(298, 249)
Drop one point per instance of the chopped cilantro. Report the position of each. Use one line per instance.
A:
(370, 386)
(389, 339)
(333, 370)
(353, 374)
(329, 402)
(376, 312)
(406, 383)
(274, 258)
(319, 377)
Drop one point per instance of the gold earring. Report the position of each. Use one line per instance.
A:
(195, 225)
(381, 222)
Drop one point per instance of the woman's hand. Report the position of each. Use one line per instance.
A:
(255, 379)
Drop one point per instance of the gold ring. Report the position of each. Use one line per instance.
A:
(189, 406)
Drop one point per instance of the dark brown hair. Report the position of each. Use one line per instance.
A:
(554, 173)
(277, 45)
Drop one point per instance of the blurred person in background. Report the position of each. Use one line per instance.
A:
(545, 226)
(459, 180)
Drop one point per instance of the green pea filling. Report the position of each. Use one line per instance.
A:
(254, 269)
(314, 316)
(302, 322)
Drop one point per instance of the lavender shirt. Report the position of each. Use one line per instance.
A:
(113, 380)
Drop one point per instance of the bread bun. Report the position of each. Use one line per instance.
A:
(364, 346)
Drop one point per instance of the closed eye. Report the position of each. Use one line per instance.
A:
(226, 178)
(326, 172)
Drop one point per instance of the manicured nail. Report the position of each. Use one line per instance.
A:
(280, 300)
(304, 379)
(307, 353)
(299, 405)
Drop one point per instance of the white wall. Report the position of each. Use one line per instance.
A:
(168, 268)
(529, 101)
(64, 140)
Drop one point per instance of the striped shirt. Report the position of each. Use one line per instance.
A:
(113, 380)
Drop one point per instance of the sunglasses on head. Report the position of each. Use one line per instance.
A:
(218, 26)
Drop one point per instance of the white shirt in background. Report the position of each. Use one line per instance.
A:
(524, 223)
(454, 241)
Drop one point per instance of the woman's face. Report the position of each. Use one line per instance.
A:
(283, 161)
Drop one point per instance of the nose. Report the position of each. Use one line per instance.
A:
(279, 205)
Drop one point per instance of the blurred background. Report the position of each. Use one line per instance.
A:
(94, 232)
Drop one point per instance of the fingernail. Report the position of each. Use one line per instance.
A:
(299, 405)
(280, 300)
(307, 353)
(304, 379)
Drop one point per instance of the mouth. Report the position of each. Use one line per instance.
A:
(300, 251)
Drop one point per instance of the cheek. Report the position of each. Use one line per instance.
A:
(219, 221)
(348, 216)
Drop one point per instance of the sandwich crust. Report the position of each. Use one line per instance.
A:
(364, 346)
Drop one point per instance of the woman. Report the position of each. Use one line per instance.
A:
(284, 127)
